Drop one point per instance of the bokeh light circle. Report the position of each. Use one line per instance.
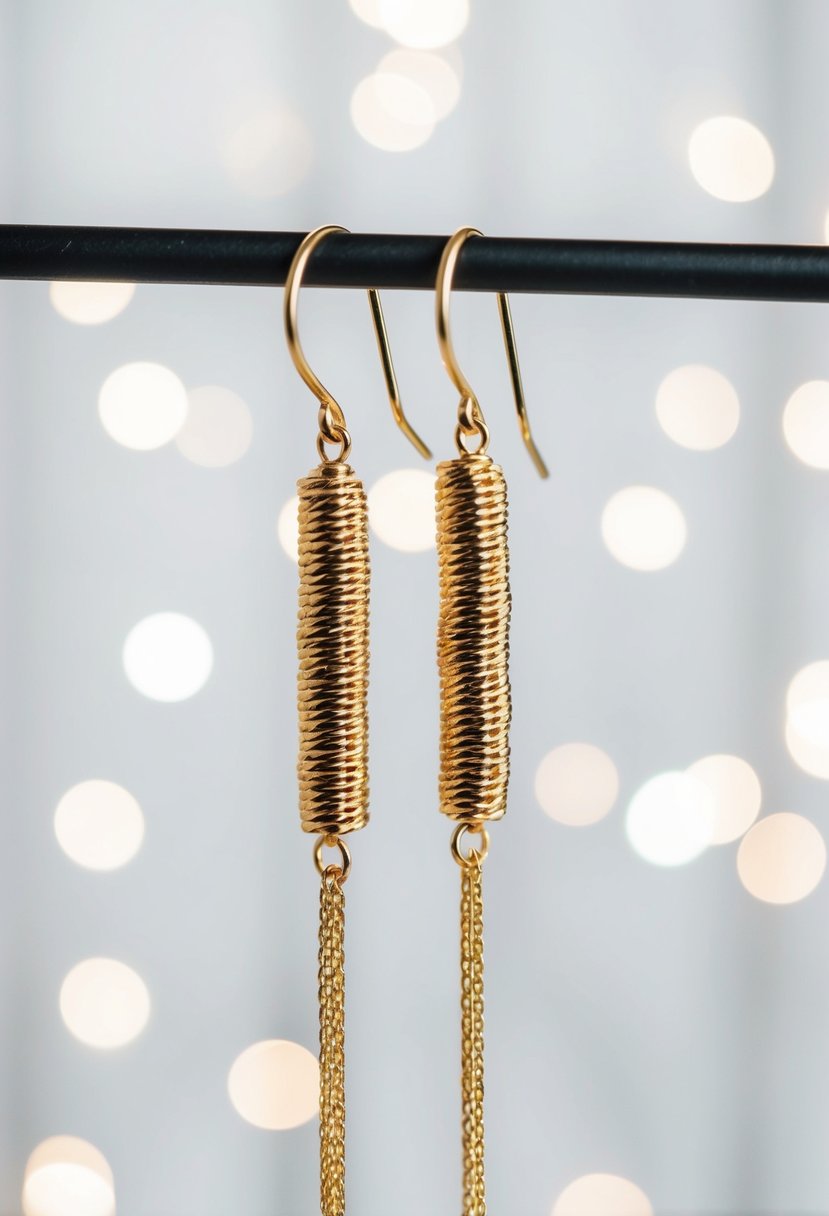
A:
(781, 859)
(99, 825)
(401, 510)
(424, 24)
(168, 656)
(602, 1195)
(731, 159)
(218, 427)
(811, 757)
(576, 784)
(670, 819)
(90, 303)
(737, 794)
(287, 528)
(104, 1003)
(67, 1176)
(142, 405)
(809, 686)
(275, 1084)
(368, 11)
(697, 407)
(392, 112)
(434, 75)
(643, 528)
(806, 423)
(807, 719)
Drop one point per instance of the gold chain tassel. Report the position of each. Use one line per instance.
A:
(472, 1035)
(332, 1043)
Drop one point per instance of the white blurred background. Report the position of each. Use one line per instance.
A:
(657, 951)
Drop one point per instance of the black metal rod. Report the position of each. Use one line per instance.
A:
(627, 268)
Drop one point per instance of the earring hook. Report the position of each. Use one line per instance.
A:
(332, 420)
(470, 415)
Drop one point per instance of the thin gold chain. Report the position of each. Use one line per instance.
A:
(332, 1043)
(472, 1035)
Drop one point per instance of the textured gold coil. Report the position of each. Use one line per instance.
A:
(332, 639)
(473, 638)
(332, 1042)
(472, 1036)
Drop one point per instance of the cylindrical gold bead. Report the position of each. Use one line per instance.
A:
(332, 639)
(473, 638)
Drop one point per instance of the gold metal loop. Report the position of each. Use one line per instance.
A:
(293, 285)
(469, 416)
(343, 438)
(443, 295)
(461, 434)
(332, 842)
(475, 856)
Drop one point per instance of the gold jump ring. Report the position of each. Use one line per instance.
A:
(474, 856)
(332, 842)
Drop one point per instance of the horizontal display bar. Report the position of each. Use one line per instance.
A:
(489, 264)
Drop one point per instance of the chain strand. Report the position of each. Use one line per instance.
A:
(472, 1035)
(332, 1043)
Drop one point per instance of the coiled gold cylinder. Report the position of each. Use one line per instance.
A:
(332, 640)
(473, 638)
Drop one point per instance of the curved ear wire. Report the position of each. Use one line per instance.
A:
(470, 414)
(505, 312)
(293, 285)
(392, 389)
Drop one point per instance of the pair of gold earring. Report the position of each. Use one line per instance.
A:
(472, 651)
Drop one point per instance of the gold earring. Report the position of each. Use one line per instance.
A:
(475, 702)
(332, 639)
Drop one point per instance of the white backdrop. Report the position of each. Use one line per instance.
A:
(657, 1023)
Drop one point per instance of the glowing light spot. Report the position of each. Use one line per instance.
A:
(142, 405)
(731, 159)
(287, 528)
(218, 428)
(602, 1195)
(809, 687)
(806, 423)
(368, 11)
(424, 24)
(392, 112)
(671, 818)
(782, 859)
(737, 794)
(576, 784)
(807, 721)
(104, 1003)
(643, 528)
(66, 1176)
(275, 1085)
(812, 758)
(269, 153)
(401, 510)
(90, 303)
(99, 825)
(432, 74)
(168, 657)
(697, 407)
(810, 721)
